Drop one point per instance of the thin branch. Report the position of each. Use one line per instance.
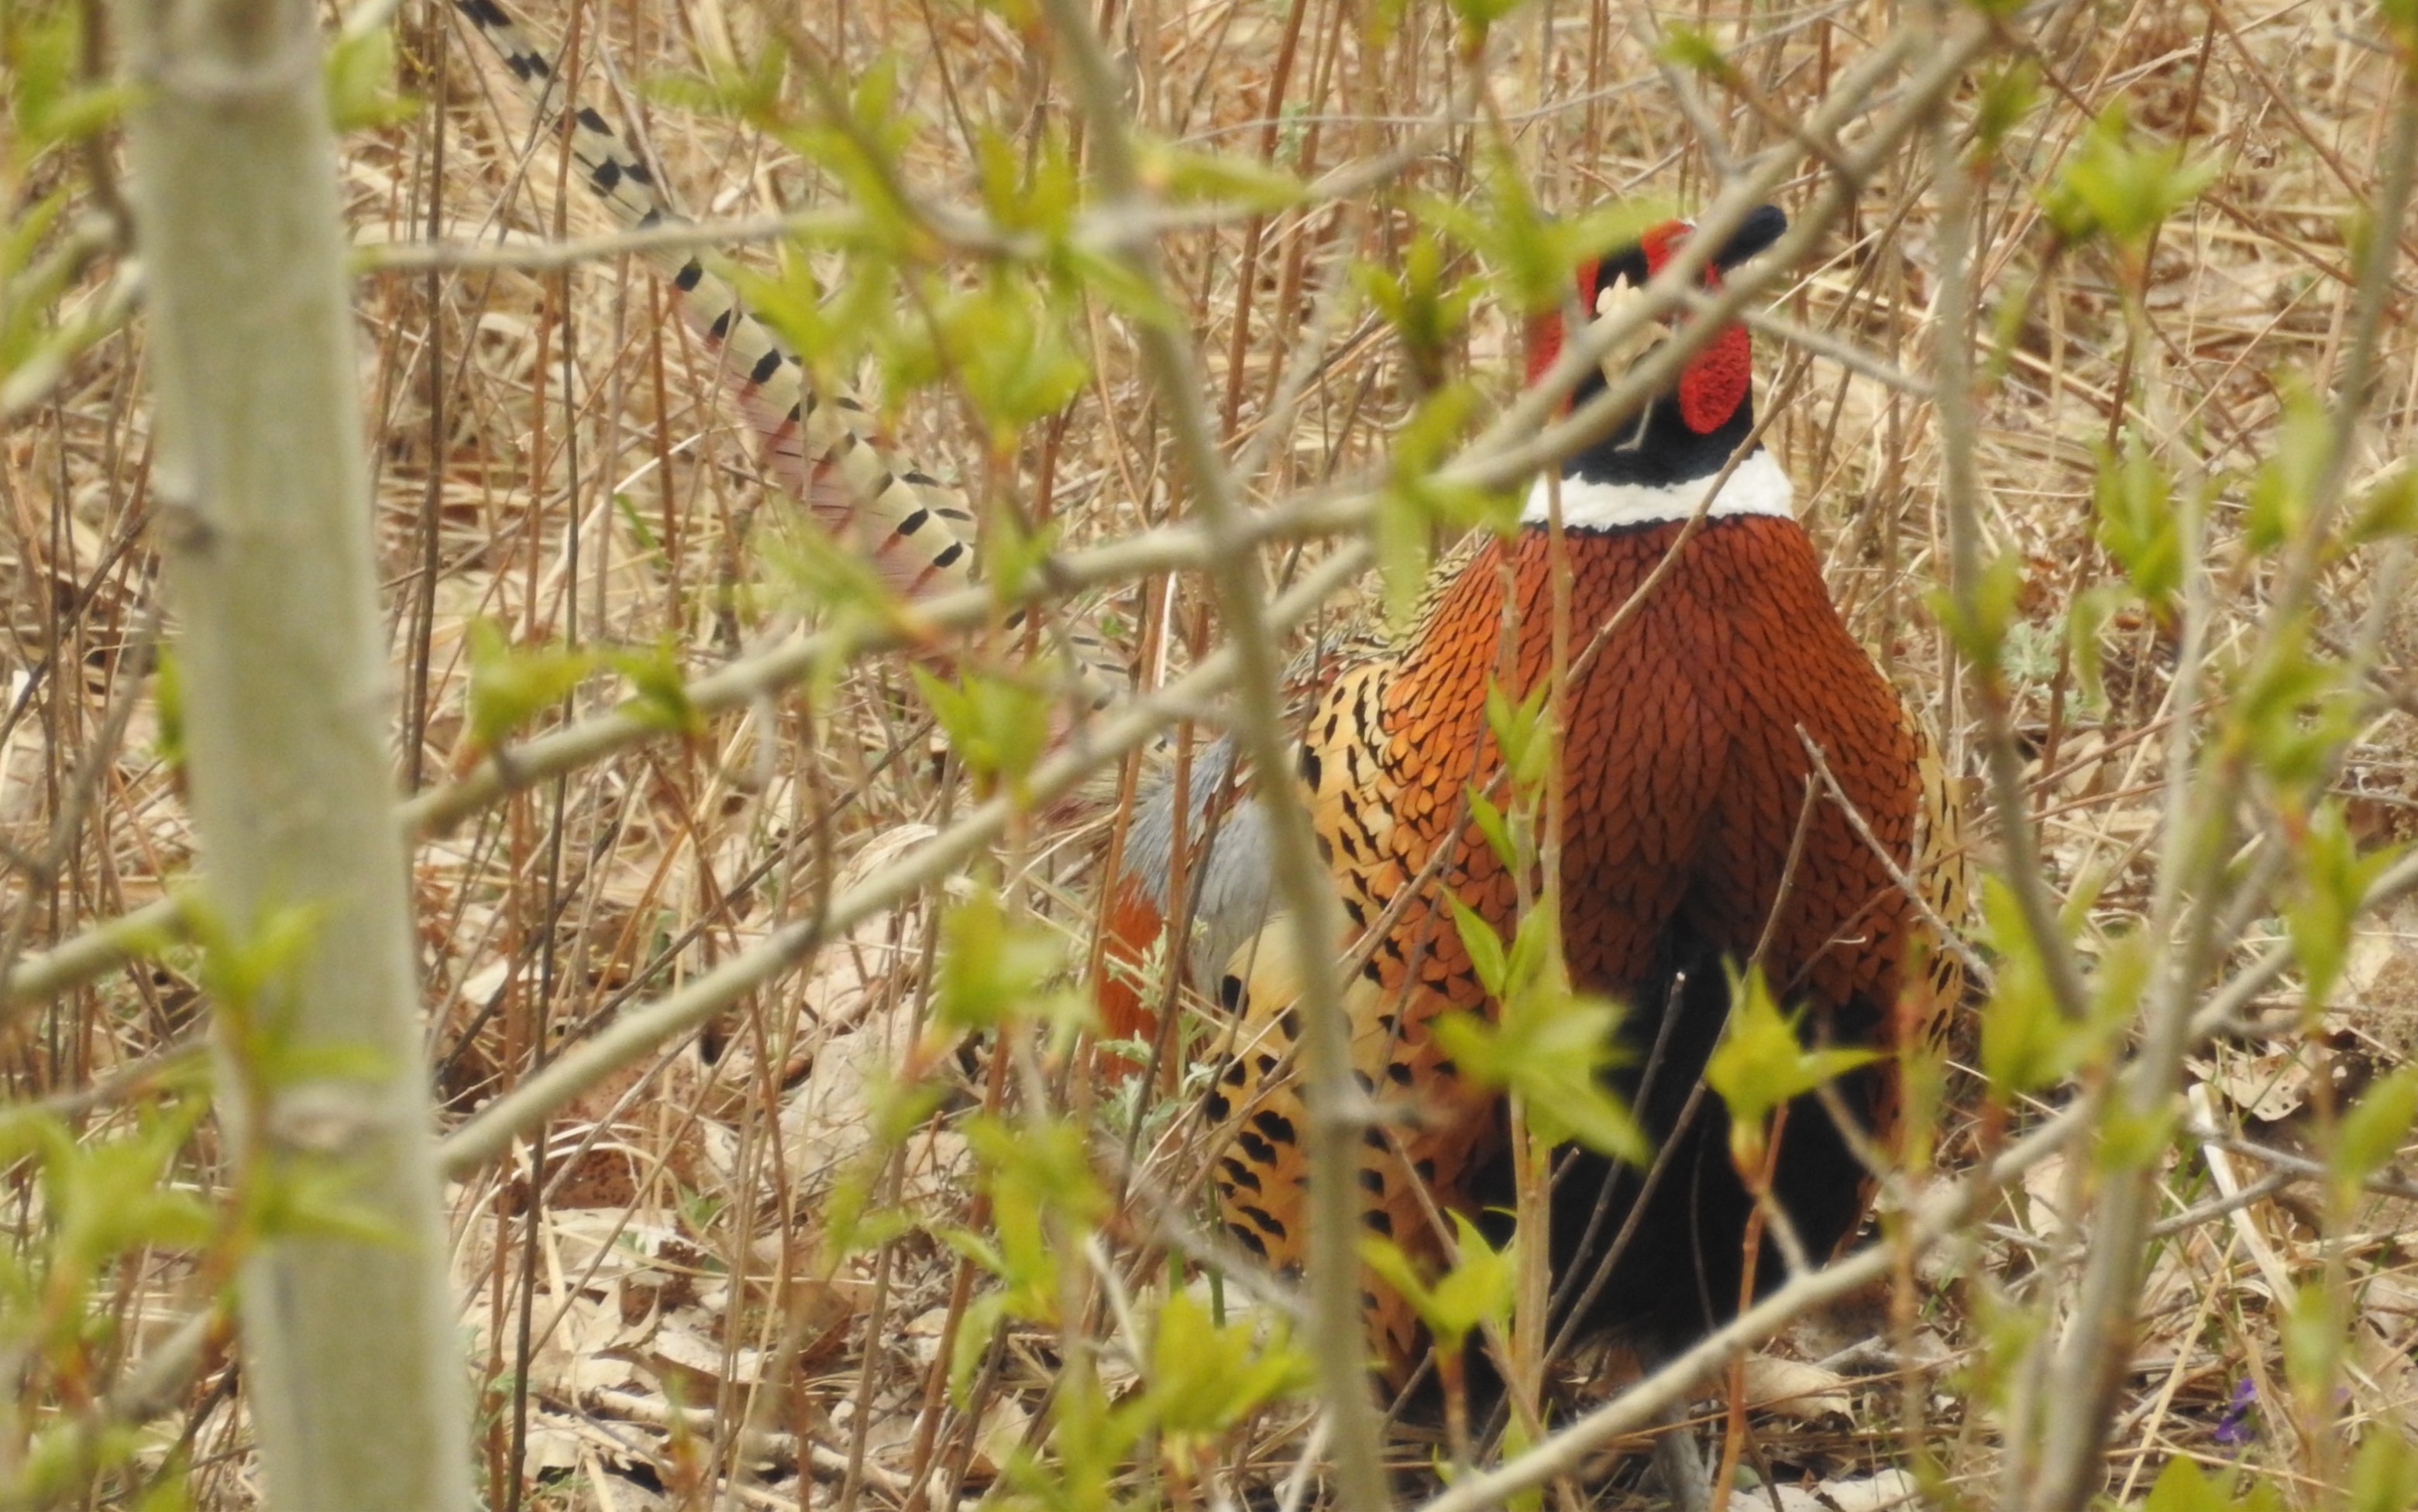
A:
(2193, 892)
(487, 1135)
(1337, 1109)
(1949, 937)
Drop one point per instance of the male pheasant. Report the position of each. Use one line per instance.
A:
(1683, 778)
(1683, 783)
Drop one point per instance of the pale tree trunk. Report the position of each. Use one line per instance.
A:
(356, 1387)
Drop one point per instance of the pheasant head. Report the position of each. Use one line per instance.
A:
(1656, 465)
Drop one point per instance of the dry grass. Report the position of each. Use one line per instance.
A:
(554, 453)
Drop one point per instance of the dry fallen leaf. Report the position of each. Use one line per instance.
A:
(1794, 1390)
(2263, 1088)
(553, 1446)
(1002, 1431)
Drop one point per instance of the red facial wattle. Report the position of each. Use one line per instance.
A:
(1717, 378)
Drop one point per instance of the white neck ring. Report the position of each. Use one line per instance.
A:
(1755, 486)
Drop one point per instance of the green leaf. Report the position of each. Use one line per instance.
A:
(312, 1197)
(169, 1490)
(2138, 522)
(1427, 314)
(1552, 1049)
(980, 1320)
(1979, 630)
(1041, 1194)
(2007, 96)
(1205, 1379)
(744, 89)
(38, 264)
(2388, 511)
(1186, 176)
(2284, 488)
(2375, 1129)
(2313, 1330)
(1485, 947)
(1761, 1064)
(2131, 1141)
(2183, 1487)
(1524, 735)
(66, 1462)
(658, 694)
(1014, 558)
(970, 1246)
(511, 688)
(1479, 1289)
(851, 1224)
(2085, 621)
(2400, 17)
(1028, 185)
(247, 973)
(1405, 544)
(1416, 502)
(998, 725)
(113, 1197)
(993, 965)
(1533, 260)
(832, 330)
(2293, 710)
(837, 583)
(2332, 881)
(2026, 1043)
(1479, 17)
(1116, 282)
(867, 148)
(359, 79)
(1008, 347)
(1489, 821)
(41, 54)
(28, 296)
(168, 701)
(2385, 1475)
(105, 1194)
(1537, 981)
(1695, 50)
(2114, 185)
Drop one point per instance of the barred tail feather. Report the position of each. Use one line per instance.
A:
(824, 450)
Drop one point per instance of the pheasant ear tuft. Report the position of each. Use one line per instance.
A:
(1763, 226)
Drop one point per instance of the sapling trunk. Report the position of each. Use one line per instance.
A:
(356, 1386)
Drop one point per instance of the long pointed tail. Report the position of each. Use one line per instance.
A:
(825, 450)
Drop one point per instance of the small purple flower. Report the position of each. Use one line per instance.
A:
(2233, 1427)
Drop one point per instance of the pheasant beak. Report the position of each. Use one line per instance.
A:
(1619, 302)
